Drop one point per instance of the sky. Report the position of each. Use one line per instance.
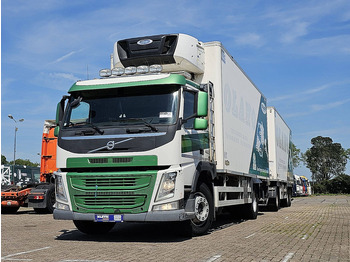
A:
(296, 52)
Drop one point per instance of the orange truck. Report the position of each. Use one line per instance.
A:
(41, 195)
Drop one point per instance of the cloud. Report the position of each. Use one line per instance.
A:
(297, 30)
(303, 93)
(65, 56)
(251, 39)
(320, 107)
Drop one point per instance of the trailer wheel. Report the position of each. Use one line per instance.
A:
(289, 198)
(204, 211)
(93, 228)
(275, 202)
(9, 210)
(251, 210)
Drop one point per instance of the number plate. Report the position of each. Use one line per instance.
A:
(108, 218)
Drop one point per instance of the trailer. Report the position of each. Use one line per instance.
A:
(280, 160)
(32, 186)
(16, 183)
(173, 131)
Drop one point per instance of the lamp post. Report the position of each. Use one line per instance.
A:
(14, 145)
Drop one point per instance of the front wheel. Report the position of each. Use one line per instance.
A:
(204, 211)
(93, 228)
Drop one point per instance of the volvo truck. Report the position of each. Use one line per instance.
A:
(174, 131)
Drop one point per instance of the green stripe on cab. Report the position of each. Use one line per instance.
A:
(81, 162)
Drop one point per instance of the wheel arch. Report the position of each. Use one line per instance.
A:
(205, 173)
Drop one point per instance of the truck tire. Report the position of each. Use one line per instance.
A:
(50, 199)
(93, 228)
(251, 210)
(204, 211)
(274, 203)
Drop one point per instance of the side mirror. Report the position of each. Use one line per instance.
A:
(56, 131)
(60, 110)
(200, 124)
(202, 104)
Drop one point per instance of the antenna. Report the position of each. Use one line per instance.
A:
(87, 72)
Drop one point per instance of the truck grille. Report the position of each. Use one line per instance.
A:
(111, 193)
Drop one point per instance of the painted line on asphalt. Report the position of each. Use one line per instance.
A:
(8, 257)
(250, 235)
(84, 260)
(287, 257)
(213, 258)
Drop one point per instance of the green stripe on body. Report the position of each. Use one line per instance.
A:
(171, 79)
(81, 162)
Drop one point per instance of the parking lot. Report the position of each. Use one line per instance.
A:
(314, 228)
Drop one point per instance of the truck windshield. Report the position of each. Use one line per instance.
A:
(144, 105)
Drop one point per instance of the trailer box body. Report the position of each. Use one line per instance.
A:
(240, 115)
(280, 147)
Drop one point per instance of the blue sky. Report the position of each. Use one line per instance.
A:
(296, 52)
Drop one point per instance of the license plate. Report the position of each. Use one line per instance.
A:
(108, 218)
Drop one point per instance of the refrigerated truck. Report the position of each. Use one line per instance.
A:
(280, 159)
(173, 131)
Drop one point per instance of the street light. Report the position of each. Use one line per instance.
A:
(14, 145)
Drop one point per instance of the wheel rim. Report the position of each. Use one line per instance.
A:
(201, 209)
(255, 205)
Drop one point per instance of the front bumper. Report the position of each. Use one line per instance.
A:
(154, 216)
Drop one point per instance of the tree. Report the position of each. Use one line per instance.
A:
(296, 156)
(325, 159)
(19, 161)
(4, 160)
(24, 162)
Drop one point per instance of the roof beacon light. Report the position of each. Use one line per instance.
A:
(118, 71)
(105, 72)
(142, 69)
(130, 70)
(155, 68)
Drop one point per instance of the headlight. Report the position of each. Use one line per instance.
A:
(60, 192)
(167, 186)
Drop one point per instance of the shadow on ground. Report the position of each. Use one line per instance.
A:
(147, 232)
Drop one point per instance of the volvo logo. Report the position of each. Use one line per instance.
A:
(145, 42)
(109, 146)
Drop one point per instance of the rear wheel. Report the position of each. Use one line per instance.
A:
(204, 211)
(251, 210)
(275, 202)
(93, 228)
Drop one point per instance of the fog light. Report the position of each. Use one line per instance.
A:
(142, 69)
(155, 68)
(130, 70)
(117, 71)
(62, 206)
(167, 206)
(105, 72)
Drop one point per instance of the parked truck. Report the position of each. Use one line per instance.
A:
(23, 186)
(173, 131)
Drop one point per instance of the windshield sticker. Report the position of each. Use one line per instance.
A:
(165, 114)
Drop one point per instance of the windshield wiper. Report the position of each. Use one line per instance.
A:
(86, 132)
(148, 124)
(96, 128)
